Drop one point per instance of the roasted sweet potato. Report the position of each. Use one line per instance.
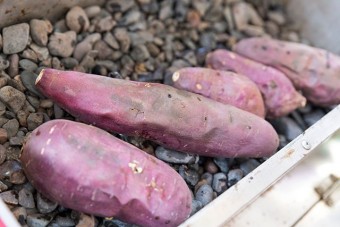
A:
(174, 118)
(279, 94)
(87, 169)
(313, 70)
(225, 87)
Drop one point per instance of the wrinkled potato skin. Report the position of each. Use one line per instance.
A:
(225, 87)
(279, 94)
(315, 71)
(86, 169)
(176, 119)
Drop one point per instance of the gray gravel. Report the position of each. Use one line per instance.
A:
(175, 157)
(204, 194)
(15, 38)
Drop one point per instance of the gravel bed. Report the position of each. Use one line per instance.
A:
(144, 40)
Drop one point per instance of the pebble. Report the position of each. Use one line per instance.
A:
(208, 177)
(140, 53)
(26, 198)
(205, 194)
(11, 97)
(12, 127)
(2, 154)
(1, 42)
(86, 221)
(276, 17)
(13, 69)
(3, 187)
(111, 40)
(123, 39)
(189, 175)
(85, 46)
(12, 171)
(26, 64)
(165, 10)
(251, 30)
(210, 166)
(176, 157)
(9, 197)
(234, 176)
(92, 11)
(105, 24)
(104, 51)
(37, 220)
(62, 44)
(16, 141)
(39, 31)
(29, 54)
(288, 127)
(272, 28)
(77, 20)
(69, 63)
(20, 214)
(219, 183)
(4, 64)
(64, 221)
(208, 40)
(3, 136)
(46, 103)
(222, 164)
(15, 38)
(2, 108)
(249, 166)
(312, 117)
(34, 120)
(42, 52)
(114, 6)
(44, 205)
(195, 206)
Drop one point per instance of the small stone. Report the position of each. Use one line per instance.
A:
(277, 17)
(38, 220)
(251, 30)
(4, 64)
(42, 52)
(16, 141)
(234, 176)
(222, 164)
(62, 44)
(2, 108)
(15, 38)
(28, 78)
(208, 40)
(140, 53)
(131, 17)
(210, 166)
(195, 206)
(175, 157)
(64, 221)
(3, 187)
(12, 171)
(92, 11)
(26, 64)
(9, 197)
(88, 61)
(123, 39)
(28, 54)
(205, 194)
(12, 127)
(58, 112)
(2, 154)
(44, 205)
(46, 103)
(249, 166)
(111, 40)
(40, 30)
(86, 221)
(85, 46)
(1, 42)
(3, 136)
(77, 20)
(272, 28)
(244, 14)
(69, 63)
(104, 51)
(114, 6)
(56, 64)
(105, 24)
(208, 177)
(312, 117)
(33, 101)
(219, 183)
(189, 175)
(26, 198)
(20, 213)
(13, 69)
(166, 10)
(288, 127)
(22, 117)
(34, 120)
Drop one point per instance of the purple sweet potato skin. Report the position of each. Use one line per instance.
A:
(87, 169)
(174, 118)
(225, 87)
(279, 94)
(315, 71)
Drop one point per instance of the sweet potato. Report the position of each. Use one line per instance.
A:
(279, 94)
(222, 86)
(313, 70)
(87, 169)
(173, 118)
